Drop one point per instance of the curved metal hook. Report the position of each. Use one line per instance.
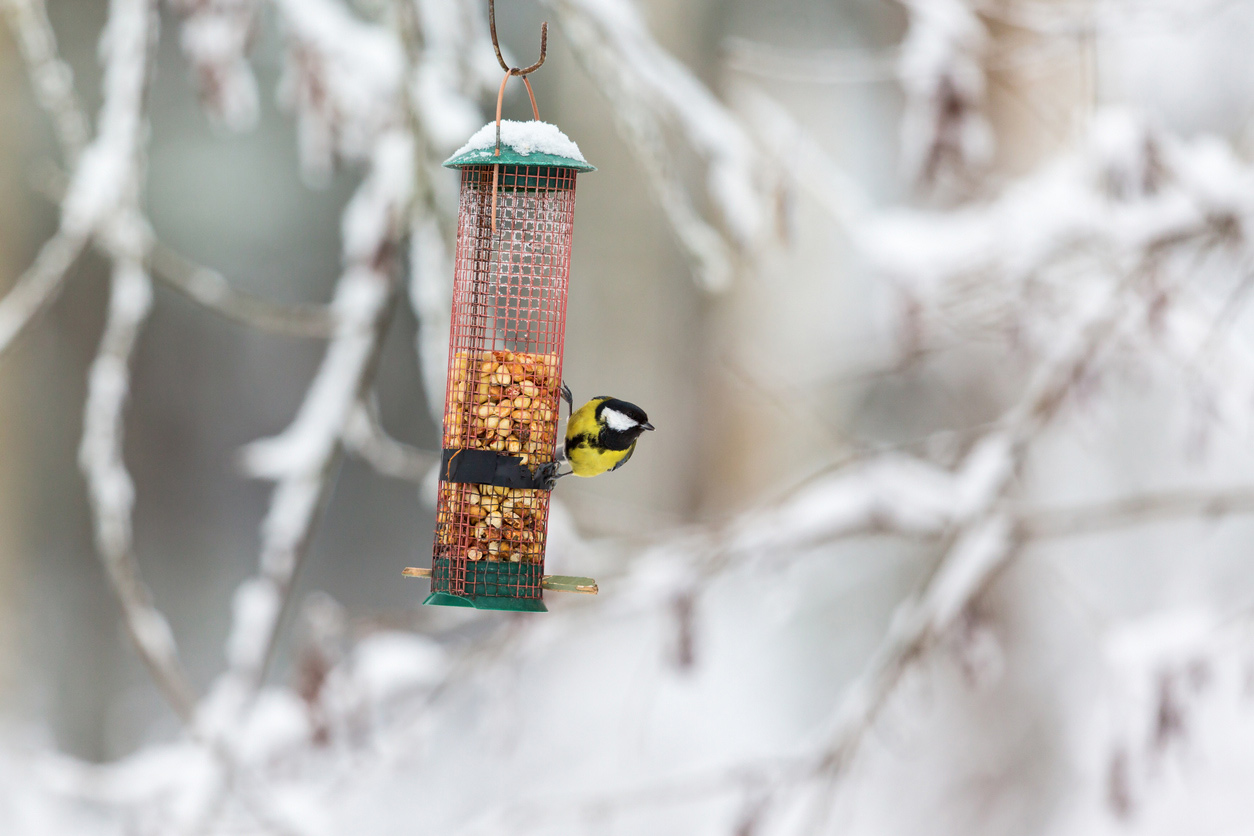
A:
(544, 44)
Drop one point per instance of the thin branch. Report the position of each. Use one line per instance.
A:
(365, 437)
(40, 285)
(1047, 523)
(211, 289)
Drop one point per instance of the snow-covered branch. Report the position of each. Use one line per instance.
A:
(216, 37)
(104, 198)
(302, 460)
(650, 91)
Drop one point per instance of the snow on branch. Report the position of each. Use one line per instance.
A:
(364, 436)
(648, 91)
(942, 75)
(343, 78)
(216, 38)
(103, 198)
(104, 171)
(451, 65)
(51, 77)
(302, 460)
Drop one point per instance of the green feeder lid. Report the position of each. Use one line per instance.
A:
(522, 143)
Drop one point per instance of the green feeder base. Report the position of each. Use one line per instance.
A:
(488, 585)
(446, 599)
(487, 602)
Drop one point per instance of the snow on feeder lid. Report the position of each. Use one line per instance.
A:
(522, 143)
(506, 341)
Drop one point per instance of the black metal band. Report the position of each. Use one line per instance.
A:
(486, 467)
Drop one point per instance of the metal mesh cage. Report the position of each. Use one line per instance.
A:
(504, 381)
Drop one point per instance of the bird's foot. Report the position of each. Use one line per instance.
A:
(569, 398)
(548, 474)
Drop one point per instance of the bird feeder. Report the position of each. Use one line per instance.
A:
(505, 364)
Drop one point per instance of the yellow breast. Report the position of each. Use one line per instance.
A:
(586, 459)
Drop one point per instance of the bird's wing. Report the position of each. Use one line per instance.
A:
(624, 459)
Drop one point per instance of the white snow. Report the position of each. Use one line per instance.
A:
(388, 663)
(256, 606)
(524, 137)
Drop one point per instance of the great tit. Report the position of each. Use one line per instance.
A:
(601, 435)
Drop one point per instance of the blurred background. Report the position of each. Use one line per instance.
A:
(940, 309)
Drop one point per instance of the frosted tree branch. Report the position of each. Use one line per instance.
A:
(1140, 509)
(114, 160)
(210, 289)
(216, 38)
(365, 437)
(648, 89)
(110, 487)
(302, 460)
(51, 77)
(38, 287)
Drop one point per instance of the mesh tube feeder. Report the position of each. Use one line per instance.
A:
(506, 342)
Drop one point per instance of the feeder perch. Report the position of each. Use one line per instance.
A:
(505, 367)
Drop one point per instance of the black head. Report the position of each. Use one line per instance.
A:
(621, 422)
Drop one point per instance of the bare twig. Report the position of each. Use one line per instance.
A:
(365, 437)
(210, 288)
(1048, 523)
(38, 287)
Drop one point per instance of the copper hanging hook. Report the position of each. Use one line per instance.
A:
(500, 95)
(544, 44)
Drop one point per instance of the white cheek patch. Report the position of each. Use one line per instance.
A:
(616, 420)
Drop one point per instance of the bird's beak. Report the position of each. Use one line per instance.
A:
(646, 425)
